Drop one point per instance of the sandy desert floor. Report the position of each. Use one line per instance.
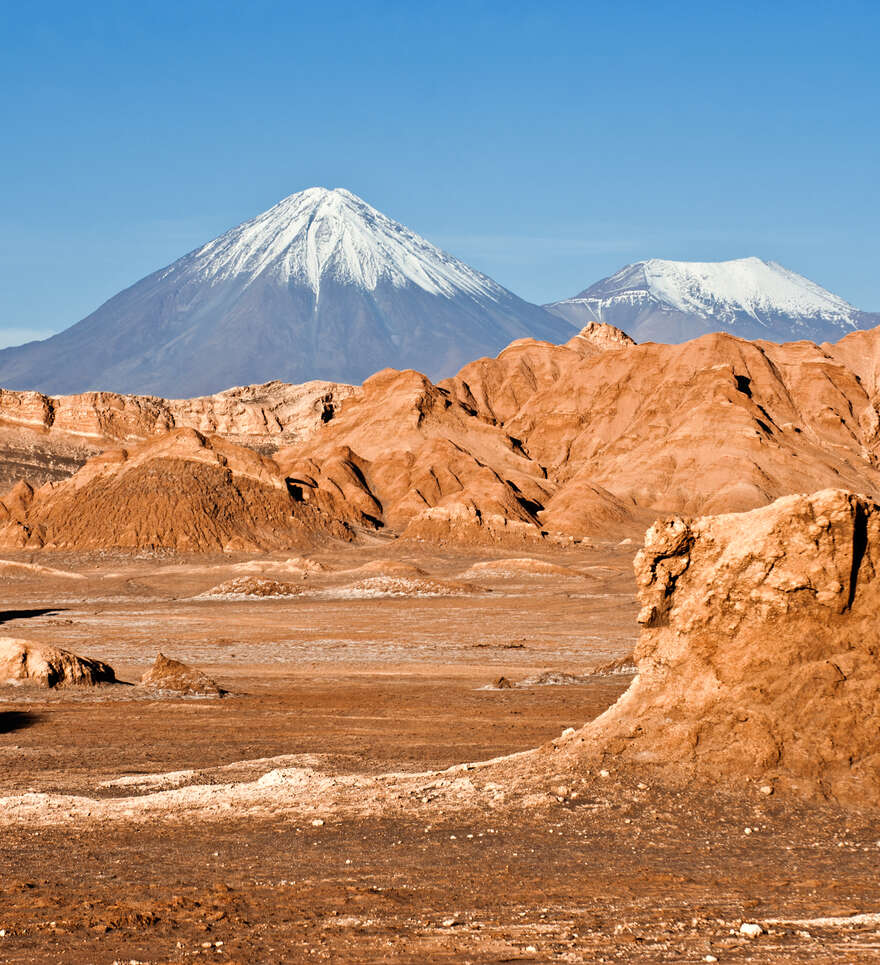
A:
(366, 672)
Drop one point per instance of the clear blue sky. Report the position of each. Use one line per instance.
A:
(546, 144)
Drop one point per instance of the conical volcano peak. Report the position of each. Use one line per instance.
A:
(320, 233)
(319, 286)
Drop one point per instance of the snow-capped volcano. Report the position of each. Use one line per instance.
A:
(672, 301)
(334, 234)
(320, 286)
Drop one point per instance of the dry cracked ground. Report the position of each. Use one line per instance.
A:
(363, 673)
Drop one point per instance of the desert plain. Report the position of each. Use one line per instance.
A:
(366, 673)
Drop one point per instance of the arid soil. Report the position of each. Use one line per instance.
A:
(383, 662)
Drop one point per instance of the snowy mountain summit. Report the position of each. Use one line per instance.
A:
(672, 301)
(319, 234)
(320, 286)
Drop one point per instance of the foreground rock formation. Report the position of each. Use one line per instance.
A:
(759, 655)
(29, 662)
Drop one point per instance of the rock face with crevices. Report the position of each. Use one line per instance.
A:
(759, 654)
(29, 662)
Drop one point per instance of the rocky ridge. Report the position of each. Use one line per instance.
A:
(542, 443)
(45, 438)
(181, 491)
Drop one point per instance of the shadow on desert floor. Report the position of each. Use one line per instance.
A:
(13, 720)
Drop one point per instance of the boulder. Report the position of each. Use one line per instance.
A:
(29, 662)
(179, 678)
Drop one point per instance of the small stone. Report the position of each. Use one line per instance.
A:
(710, 958)
(317, 823)
(750, 929)
(604, 773)
(766, 789)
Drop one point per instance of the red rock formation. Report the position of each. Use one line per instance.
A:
(181, 491)
(759, 655)
(29, 662)
(44, 437)
(555, 441)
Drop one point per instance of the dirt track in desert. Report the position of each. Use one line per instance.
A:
(382, 662)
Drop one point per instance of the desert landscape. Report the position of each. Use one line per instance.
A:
(439, 483)
(549, 661)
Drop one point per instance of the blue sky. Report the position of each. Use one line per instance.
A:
(546, 144)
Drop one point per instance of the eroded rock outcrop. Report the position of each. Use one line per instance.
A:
(181, 491)
(544, 443)
(759, 654)
(38, 664)
(176, 677)
(45, 438)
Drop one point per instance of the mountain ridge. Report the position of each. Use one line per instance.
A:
(545, 444)
(674, 301)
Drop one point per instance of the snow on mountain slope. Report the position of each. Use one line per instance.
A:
(319, 233)
(672, 301)
(320, 286)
